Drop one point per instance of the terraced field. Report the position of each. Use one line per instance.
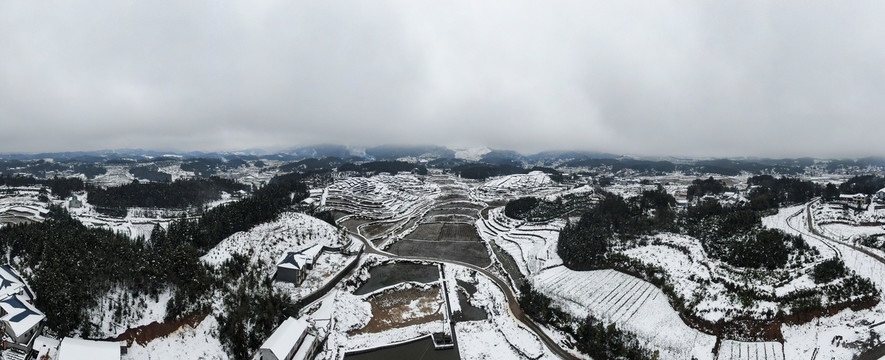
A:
(447, 230)
(629, 302)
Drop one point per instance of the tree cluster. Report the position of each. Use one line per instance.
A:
(769, 192)
(829, 270)
(480, 171)
(61, 187)
(179, 194)
(150, 173)
(391, 167)
(699, 188)
(252, 307)
(864, 184)
(584, 245)
(73, 266)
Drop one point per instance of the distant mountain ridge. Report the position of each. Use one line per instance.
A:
(444, 157)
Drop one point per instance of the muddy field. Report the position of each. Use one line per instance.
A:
(401, 308)
(470, 252)
(453, 211)
(380, 228)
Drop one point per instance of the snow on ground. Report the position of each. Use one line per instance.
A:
(134, 312)
(533, 246)
(353, 312)
(186, 343)
(837, 336)
(630, 303)
(796, 217)
(691, 274)
(380, 196)
(850, 232)
(500, 336)
(535, 183)
(21, 204)
(472, 154)
(268, 242)
(834, 212)
(739, 350)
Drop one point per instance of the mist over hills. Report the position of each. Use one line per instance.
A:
(481, 161)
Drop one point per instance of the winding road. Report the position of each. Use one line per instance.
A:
(875, 353)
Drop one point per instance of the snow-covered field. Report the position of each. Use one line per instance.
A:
(631, 303)
(613, 297)
(739, 350)
(839, 336)
(266, 243)
(533, 245)
(535, 183)
(21, 204)
(381, 196)
(832, 212)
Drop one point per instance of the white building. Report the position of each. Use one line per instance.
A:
(20, 320)
(293, 266)
(292, 340)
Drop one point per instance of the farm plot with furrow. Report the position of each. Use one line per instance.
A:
(739, 350)
(630, 303)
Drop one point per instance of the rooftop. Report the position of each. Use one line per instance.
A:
(21, 315)
(285, 337)
(80, 349)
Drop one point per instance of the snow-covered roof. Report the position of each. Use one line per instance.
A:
(285, 337)
(20, 316)
(303, 350)
(301, 258)
(80, 349)
(10, 282)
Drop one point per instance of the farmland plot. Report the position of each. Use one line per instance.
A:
(631, 303)
(446, 232)
(739, 350)
(533, 245)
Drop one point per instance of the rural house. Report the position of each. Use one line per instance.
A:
(293, 266)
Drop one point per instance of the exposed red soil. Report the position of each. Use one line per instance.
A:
(145, 333)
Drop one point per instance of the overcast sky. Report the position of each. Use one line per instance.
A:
(707, 78)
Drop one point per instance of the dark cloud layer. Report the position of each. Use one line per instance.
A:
(655, 78)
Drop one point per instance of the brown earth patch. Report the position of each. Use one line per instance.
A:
(146, 333)
(401, 308)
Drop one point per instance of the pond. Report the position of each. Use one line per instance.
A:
(394, 273)
(468, 311)
(418, 349)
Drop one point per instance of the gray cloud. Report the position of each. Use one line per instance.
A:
(705, 79)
